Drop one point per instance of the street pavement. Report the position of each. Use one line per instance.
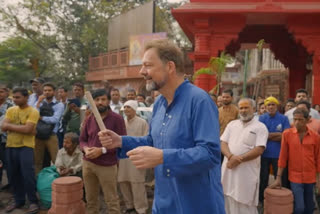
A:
(5, 198)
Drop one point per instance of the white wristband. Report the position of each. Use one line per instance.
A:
(104, 150)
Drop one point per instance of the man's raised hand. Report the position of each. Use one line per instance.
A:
(110, 139)
(144, 157)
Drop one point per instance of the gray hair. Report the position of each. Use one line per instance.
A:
(249, 100)
(303, 112)
(73, 136)
(168, 51)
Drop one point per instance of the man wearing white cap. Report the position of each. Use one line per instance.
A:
(130, 178)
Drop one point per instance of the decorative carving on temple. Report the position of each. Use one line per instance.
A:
(269, 5)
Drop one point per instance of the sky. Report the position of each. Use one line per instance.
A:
(7, 2)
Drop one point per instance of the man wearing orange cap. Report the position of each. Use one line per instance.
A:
(276, 123)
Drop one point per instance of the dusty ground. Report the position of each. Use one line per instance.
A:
(5, 197)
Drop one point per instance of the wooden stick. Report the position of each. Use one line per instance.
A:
(95, 111)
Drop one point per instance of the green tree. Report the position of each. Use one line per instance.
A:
(20, 60)
(67, 33)
(166, 22)
(216, 66)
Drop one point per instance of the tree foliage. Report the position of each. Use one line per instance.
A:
(166, 22)
(66, 33)
(216, 66)
(20, 60)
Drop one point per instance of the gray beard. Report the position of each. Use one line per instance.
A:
(152, 86)
(246, 118)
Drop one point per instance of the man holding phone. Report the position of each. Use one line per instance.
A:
(71, 116)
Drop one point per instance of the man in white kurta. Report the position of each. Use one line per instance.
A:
(242, 144)
(131, 180)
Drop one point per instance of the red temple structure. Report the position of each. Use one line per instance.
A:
(290, 27)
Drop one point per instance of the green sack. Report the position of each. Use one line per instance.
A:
(44, 181)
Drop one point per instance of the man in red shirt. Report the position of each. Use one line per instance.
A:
(313, 124)
(300, 150)
(99, 167)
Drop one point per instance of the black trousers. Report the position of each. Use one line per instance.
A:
(264, 175)
(4, 161)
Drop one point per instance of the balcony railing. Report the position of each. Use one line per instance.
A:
(109, 60)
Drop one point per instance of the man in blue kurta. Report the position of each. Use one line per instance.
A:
(276, 123)
(183, 142)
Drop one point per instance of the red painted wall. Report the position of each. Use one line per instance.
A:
(253, 1)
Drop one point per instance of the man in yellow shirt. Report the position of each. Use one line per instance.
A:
(19, 123)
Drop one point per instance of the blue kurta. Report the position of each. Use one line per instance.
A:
(188, 181)
(276, 123)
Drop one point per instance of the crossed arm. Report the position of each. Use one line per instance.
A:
(275, 136)
(235, 160)
(23, 129)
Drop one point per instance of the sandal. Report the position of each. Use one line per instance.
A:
(12, 206)
(33, 209)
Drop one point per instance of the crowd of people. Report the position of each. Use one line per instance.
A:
(208, 154)
(49, 128)
(268, 138)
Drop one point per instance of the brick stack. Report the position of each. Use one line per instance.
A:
(278, 201)
(67, 194)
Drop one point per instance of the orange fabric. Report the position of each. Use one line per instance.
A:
(226, 115)
(303, 158)
(314, 125)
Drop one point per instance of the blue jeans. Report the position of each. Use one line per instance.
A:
(60, 136)
(303, 198)
(22, 179)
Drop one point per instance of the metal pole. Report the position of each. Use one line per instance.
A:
(244, 87)
(154, 16)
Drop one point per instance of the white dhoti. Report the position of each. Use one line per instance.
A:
(234, 207)
(241, 183)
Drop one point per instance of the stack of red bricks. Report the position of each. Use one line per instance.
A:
(278, 201)
(67, 194)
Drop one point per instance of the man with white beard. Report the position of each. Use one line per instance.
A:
(242, 144)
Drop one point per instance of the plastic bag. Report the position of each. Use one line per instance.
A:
(44, 181)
